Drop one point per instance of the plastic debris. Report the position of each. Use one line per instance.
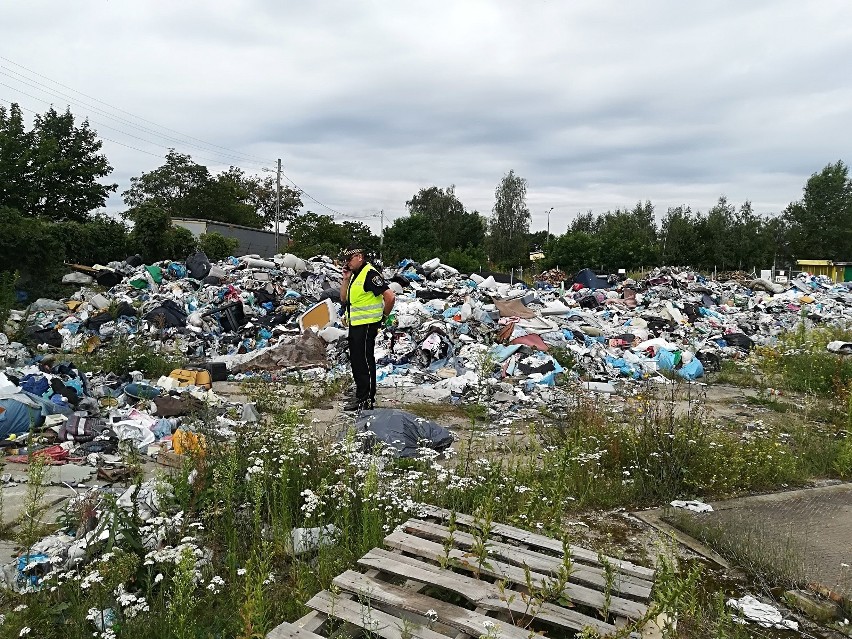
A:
(763, 614)
(693, 505)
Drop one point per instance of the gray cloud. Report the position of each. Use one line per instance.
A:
(597, 104)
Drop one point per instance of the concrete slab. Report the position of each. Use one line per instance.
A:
(14, 500)
(8, 550)
(71, 474)
(56, 475)
(801, 534)
(231, 391)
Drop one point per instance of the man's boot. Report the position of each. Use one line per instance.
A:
(355, 404)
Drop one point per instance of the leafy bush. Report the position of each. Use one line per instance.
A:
(216, 246)
(7, 295)
(181, 243)
(99, 240)
(31, 247)
(467, 260)
(122, 356)
(150, 235)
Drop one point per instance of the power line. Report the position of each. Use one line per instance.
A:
(101, 124)
(248, 156)
(51, 93)
(156, 155)
(35, 84)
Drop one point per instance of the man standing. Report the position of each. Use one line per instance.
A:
(368, 302)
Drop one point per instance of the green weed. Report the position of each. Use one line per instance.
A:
(125, 355)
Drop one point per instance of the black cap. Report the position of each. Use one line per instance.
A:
(352, 250)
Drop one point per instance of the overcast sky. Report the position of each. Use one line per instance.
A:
(597, 104)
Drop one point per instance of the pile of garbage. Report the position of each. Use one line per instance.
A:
(552, 277)
(452, 334)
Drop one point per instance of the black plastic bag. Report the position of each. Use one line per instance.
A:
(198, 265)
(403, 430)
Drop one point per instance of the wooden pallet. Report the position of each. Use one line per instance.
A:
(405, 593)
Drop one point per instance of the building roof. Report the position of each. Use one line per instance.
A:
(217, 222)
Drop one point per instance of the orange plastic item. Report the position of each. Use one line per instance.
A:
(184, 441)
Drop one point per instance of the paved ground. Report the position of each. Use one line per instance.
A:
(802, 533)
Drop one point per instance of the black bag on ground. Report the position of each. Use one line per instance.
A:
(95, 322)
(168, 315)
(403, 430)
(231, 316)
(47, 336)
(740, 340)
(108, 278)
(198, 265)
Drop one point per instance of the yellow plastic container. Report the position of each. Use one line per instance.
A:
(184, 441)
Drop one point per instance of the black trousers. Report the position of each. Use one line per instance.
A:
(362, 357)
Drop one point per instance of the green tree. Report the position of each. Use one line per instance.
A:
(679, 238)
(820, 224)
(263, 198)
(313, 234)
(180, 243)
(446, 216)
(151, 232)
(411, 237)
(467, 260)
(175, 187)
(574, 250)
(747, 240)
(437, 225)
(628, 239)
(715, 231)
(510, 222)
(54, 170)
(15, 150)
(184, 188)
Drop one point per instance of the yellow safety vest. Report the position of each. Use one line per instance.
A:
(364, 307)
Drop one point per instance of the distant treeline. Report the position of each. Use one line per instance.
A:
(52, 185)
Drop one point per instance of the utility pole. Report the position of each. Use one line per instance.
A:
(277, 207)
(381, 234)
(548, 228)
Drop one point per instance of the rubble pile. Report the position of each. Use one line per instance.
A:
(451, 336)
(552, 277)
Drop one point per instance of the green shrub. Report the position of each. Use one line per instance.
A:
(216, 246)
(100, 240)
(181, 243)
(7, 295)
(122, 356)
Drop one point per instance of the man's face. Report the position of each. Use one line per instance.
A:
(355, 261)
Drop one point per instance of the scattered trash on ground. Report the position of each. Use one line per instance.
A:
(452, 338)
(693, 505)
(763, 614)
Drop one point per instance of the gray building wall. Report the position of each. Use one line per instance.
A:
(250, 240)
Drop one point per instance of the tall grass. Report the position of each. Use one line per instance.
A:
(222, 558)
